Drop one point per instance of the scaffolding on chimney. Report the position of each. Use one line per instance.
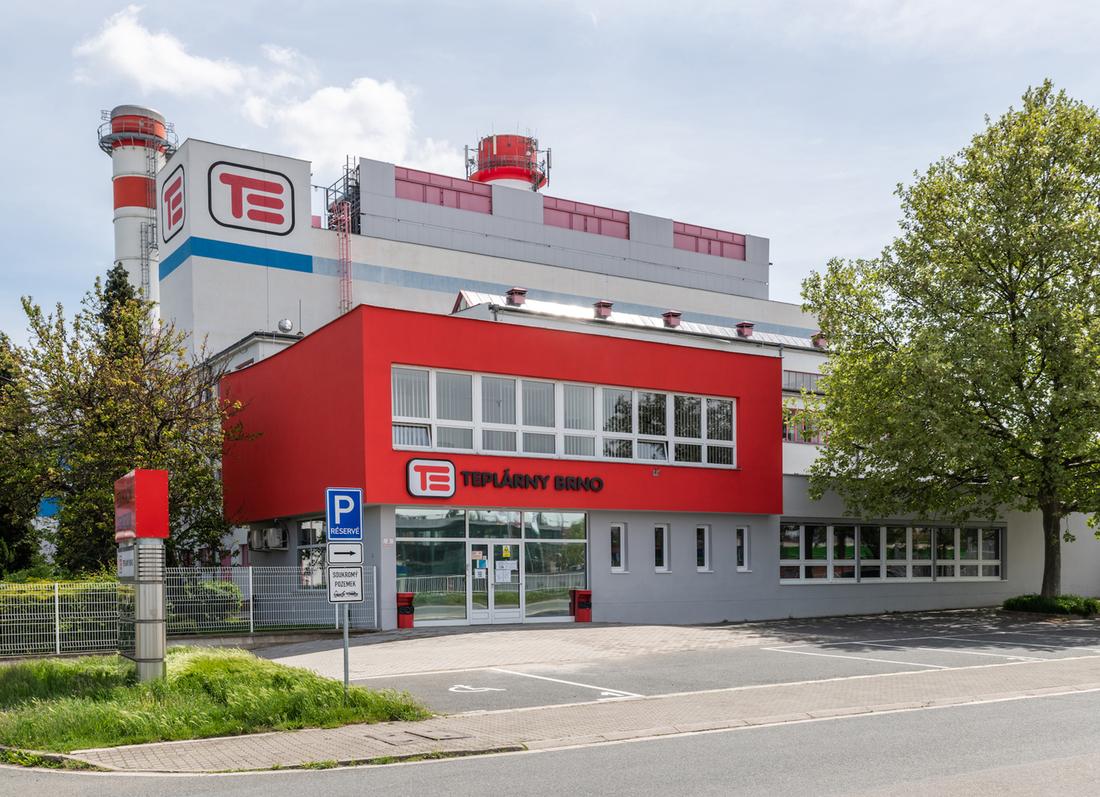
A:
(342, 206)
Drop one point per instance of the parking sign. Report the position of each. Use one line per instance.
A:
(344, 514)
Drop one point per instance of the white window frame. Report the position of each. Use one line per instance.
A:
(707, 558)
(883, 562)
(741, 543)
(622, 567)
(665, 529)
(478, 425)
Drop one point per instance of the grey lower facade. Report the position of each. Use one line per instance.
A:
(684, 567)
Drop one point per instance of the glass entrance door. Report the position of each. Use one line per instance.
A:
(496, 581)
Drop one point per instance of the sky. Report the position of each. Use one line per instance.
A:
(794, 120)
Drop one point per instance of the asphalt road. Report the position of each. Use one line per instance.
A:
(852, 652)
(1032, 746)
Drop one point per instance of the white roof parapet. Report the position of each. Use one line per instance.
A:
(467, 299)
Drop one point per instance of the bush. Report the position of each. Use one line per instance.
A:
(88, 611)
(200, 605)
(1063, 604)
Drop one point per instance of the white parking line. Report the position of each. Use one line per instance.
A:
(858, 658)
(1091, 648)
(945, 650)
(609, 693)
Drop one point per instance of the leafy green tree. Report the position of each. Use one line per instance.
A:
(112, 390)
(20, 476)
(965, 370)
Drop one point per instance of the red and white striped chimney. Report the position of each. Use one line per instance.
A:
(138, 141)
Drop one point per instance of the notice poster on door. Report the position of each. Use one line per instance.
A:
(504, 576)
(481, 572)
(508, 566)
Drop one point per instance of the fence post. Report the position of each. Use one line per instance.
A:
(56, 619)
(251, 604)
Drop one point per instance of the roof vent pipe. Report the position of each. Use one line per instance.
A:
(602, 309)
(516, 297)
(744, 329)
(672, 318)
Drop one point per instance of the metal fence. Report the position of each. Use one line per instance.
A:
(82, 616)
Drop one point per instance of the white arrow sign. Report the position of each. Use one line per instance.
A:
(345, 553)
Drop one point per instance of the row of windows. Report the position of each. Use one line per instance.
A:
(662, 555)
(846, 553)
(801, 380)
(457, 411)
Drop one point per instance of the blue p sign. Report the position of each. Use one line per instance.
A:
(344, 513)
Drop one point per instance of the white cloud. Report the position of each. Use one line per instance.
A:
(125, 49)
(367, 117)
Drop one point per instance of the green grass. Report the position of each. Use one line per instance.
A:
(94, 701)
(1063, 604)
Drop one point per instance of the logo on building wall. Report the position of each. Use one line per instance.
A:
(173, 204)
(431, 478)
(253, 199)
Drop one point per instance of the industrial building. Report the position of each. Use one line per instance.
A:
(536, 394)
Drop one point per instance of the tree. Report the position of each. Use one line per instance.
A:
(20, 478)
(964, 376)
(112, 391)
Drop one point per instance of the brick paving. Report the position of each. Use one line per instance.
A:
(555, 726)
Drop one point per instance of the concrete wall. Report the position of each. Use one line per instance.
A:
(515, 231)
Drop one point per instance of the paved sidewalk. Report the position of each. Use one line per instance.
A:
(588, 723)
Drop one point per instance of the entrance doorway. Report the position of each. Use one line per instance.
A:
(495, 569)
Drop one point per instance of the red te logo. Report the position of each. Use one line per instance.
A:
(432, 478)
(248, 198)
(265, 196)
(172, 204)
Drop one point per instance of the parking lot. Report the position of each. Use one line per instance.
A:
(473, 670)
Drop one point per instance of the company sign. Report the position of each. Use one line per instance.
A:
(173, 203)
(247, 198)
(531, 481)
(431, 478)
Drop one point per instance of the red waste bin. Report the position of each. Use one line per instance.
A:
(584, 606)
(405, 609)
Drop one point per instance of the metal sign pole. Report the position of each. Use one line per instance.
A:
(345, 654)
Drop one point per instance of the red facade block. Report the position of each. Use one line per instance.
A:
(141, 505)
(319, 414)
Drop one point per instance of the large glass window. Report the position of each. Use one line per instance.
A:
(849, 552)
(554, 525)
(618, 412)
(688, 413)
(458, 411)
(498, 400)
(435, 571)
(454, 396)
(430, 522)
(538, 403)
(494, 523)
(410, 393)
(579, 407)
(551, 570)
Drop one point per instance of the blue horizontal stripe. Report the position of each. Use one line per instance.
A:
(236, 253)
(385, 275)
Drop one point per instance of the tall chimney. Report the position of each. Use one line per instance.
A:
(137, 139)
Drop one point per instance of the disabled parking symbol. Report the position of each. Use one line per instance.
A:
(466, 689)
